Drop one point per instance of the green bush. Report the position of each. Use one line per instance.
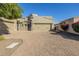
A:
(75, 27)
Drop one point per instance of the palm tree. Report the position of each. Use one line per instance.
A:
(10, 10)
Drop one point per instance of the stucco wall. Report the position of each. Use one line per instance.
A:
(7, 25)
(11, 26)
(76, 19)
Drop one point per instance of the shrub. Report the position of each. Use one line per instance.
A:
(75, 26)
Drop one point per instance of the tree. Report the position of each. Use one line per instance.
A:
(10, 10)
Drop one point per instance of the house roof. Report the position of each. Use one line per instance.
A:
(38, 19)
(42, 19)
(68, 19)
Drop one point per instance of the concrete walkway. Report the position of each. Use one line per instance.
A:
(44, 44)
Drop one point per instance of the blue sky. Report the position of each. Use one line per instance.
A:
(59, 11)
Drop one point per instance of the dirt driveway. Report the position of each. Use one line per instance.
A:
(46, 44)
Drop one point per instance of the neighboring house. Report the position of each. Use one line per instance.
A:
(70, 25)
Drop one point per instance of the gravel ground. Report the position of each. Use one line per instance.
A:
(4, 51)
(46, 44)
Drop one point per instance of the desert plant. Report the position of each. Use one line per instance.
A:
(10, 10)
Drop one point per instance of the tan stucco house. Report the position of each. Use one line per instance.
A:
(39, 23)
(71, 24)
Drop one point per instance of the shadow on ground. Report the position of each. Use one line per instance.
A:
(67, 35)
(3, 28)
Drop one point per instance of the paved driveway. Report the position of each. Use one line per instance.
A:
(46, 44)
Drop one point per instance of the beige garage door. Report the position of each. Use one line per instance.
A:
(41, 27)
